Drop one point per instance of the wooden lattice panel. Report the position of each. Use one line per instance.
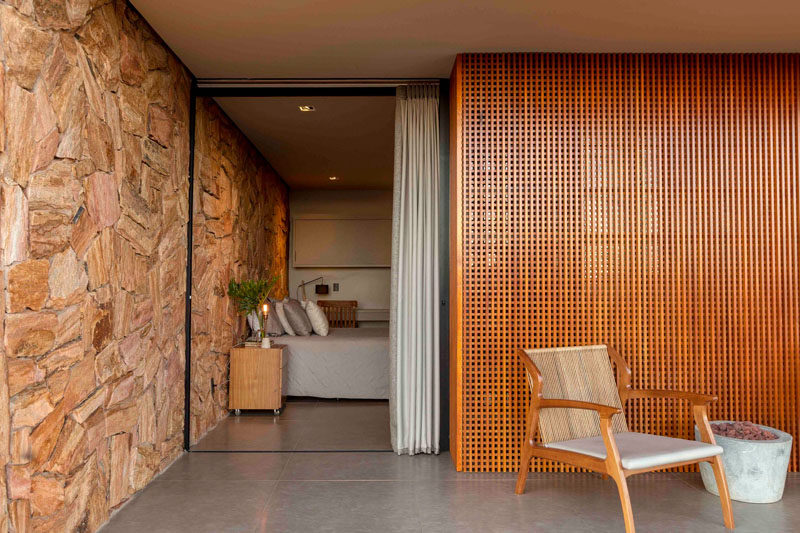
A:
(649, 202)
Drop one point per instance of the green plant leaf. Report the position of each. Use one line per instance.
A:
(250, 294)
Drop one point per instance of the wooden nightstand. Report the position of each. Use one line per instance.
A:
(258, 378)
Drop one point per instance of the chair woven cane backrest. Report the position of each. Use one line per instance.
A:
(581, 373)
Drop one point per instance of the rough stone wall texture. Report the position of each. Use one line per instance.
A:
(5, 419)
(93, 213)
(240, 231)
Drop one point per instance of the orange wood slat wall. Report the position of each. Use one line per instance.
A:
(649, 202)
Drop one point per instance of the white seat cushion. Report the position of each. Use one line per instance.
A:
(640, 450)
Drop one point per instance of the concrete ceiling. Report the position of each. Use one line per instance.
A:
(419, 38)
(349, 137)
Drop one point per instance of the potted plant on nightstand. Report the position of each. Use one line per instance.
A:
(251, 299)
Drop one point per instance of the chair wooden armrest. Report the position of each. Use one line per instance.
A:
(605, 411)
(693, 397)
(626, 392)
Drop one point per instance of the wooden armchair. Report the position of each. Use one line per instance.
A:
(340, 313)
(577, 408)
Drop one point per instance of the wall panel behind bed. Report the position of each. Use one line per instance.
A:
(368, 285)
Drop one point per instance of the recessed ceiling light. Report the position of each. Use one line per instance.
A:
(306, 108)
(333, 178)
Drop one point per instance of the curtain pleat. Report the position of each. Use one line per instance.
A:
(414, 313)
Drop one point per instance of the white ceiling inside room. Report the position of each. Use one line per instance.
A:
(349, 137)
(419, 38)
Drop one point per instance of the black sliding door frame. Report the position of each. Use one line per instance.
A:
(249, 88)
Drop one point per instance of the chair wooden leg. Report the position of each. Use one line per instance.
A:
(722, 487)
(625, 500)
(524, 463)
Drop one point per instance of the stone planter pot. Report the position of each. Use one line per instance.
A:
(755, 469)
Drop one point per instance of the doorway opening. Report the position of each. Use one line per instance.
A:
(327, 152)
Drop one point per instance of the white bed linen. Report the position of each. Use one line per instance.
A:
(348, 363)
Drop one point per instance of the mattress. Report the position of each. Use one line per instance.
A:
(348, 363)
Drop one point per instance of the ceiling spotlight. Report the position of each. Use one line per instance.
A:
(333, 178)
(306, 108)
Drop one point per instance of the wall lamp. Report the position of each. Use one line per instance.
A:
(318, 289)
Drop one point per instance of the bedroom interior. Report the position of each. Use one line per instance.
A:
(328, 248)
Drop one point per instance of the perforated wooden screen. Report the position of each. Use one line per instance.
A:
(649, 202)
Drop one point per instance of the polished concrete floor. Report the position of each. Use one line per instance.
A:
(305, 425)
(306, 483)
(381, 492)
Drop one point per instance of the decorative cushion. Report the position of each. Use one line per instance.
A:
(279, 310)
(297, 318)
(273, 326)
(640, 450)
(252, 321)
(317, 317)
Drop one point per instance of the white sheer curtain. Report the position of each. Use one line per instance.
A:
(414, 315)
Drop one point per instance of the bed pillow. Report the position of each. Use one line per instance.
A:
(318, 319)
(252, 321)
(273, 326)
(297, 318)
(281, 312)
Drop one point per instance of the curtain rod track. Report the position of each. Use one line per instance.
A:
(310, 82)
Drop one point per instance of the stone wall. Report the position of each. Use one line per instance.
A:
(240, 231)
(93, 194)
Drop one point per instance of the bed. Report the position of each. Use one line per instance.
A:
(348, 363)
